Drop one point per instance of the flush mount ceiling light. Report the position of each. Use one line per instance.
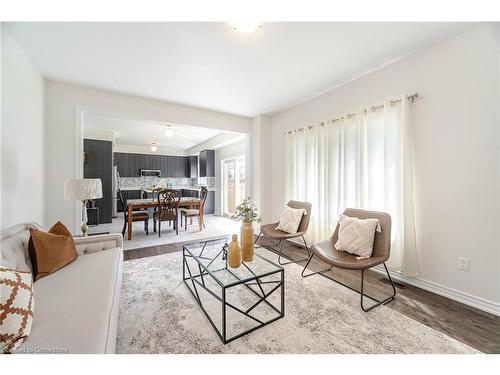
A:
(153, 147)
(246, 27)
(169, 132)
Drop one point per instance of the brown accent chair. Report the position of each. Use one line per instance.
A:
(269, 230)
(195, 212)
(168, 209)
(327, 252)
(140, 215)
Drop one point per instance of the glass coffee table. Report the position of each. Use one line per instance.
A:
(236, 301)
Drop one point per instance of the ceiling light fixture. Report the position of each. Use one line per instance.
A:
(153, 147)
(246, 27)
(169, 132)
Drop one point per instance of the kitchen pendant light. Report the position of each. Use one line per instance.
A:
(169, 132)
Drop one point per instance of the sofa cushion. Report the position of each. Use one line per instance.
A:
(77, 306)
(14, 245)
(50, 251)
(16, 308)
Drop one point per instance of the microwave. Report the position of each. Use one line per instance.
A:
(150, 173)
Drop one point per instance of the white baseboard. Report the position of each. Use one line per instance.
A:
(456, 295)
(453, 294)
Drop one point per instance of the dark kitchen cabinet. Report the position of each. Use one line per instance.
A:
(209, 203)
(130, 165)
(98, 163)
(193, 166)
(152, 162)
(121, 163)
(207, 163)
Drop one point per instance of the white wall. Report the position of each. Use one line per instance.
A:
(457, 152)
(22, 152)
(228, 152)
(63, 102)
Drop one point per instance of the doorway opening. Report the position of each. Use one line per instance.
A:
(233, 184)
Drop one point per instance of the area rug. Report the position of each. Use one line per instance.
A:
(159, 315)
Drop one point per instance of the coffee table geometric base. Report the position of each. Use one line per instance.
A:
(255, 292)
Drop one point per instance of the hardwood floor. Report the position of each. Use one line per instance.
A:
(468, 325)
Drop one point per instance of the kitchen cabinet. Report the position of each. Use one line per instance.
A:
(193, 166)
(207, 163)
(98, 163)
(130, 165)
(210, 203)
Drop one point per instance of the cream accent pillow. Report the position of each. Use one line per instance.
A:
(356, 236)
(290, 219)
(16, 308)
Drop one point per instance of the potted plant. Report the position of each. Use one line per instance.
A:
(247, 213)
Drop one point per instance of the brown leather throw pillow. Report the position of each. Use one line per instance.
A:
(50, 251)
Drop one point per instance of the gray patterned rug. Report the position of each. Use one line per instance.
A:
(159, 315)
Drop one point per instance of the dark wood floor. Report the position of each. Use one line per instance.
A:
(468, 325)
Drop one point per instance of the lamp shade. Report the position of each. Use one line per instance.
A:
(81, 189)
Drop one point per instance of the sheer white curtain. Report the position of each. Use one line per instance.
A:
(361, 161)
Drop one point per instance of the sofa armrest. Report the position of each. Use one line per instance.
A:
(92, 244)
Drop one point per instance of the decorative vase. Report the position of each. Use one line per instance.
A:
(234, 253)
(247, 241)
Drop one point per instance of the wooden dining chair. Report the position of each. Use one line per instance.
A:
(195, 212)
(141, 215)
(168, 209)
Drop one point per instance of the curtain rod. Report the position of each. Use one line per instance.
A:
(411, 98)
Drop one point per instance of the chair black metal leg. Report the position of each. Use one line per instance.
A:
(293, 261)
(255, 242)
(313, 273)
(154, 225)
(159, 228)
(383, 302)
(146, 226)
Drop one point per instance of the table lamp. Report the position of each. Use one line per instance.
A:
(83, 189)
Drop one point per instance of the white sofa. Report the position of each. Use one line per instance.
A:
(76, 308)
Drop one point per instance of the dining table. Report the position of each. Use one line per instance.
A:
(145, 203)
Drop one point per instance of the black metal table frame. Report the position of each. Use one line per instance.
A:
(256, 280)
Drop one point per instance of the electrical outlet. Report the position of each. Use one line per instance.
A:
(463, 264)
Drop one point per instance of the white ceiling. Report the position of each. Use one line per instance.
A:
(210, 65)
(143, 133)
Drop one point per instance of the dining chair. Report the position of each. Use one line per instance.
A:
(269, 230)
(168, 209)
(327, 253)
(141, 215)
(195, 212)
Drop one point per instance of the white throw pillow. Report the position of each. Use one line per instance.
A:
(290, 219)
(356, 236)
(16, 312)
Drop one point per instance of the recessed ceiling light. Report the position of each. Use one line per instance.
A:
(154, 148)
(246, 27)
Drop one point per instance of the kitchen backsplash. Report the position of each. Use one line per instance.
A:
(148, 182)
